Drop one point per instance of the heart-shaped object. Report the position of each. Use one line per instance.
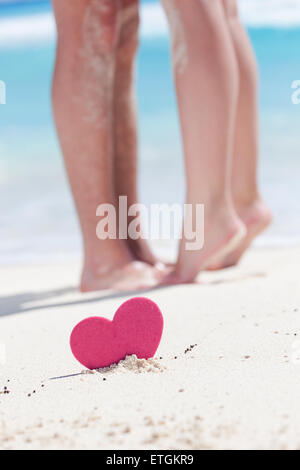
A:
(136, 329)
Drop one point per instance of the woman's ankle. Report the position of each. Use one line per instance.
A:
(246, 198)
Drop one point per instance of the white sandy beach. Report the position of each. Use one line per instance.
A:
(238, 388)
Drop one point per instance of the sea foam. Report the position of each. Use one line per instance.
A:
(28, 29)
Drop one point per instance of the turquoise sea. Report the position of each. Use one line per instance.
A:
(37, 217)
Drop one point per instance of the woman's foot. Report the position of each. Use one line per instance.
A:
(129, 276)
(223, 232)
(257, 217)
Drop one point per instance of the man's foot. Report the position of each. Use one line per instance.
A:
(131, 276)
(223, 233)
(257, 217)
(141, 251)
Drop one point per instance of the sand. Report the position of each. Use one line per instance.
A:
(237, 387)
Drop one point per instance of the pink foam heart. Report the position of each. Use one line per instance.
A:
(136, 329)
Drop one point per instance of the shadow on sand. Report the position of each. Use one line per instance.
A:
(31, 301)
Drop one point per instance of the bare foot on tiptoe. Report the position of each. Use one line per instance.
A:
(129, 276)
(223, 232)
(257, 217)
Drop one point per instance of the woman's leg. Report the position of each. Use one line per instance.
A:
(207, 82)
(83, 88)
(125, 120)
(249, 205)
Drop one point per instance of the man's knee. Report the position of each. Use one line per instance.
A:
(101, 26)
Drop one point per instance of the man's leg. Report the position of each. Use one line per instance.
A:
(125, 119)
(207, 82)
(83, 88)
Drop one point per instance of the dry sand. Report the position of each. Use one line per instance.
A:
(239, 388)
